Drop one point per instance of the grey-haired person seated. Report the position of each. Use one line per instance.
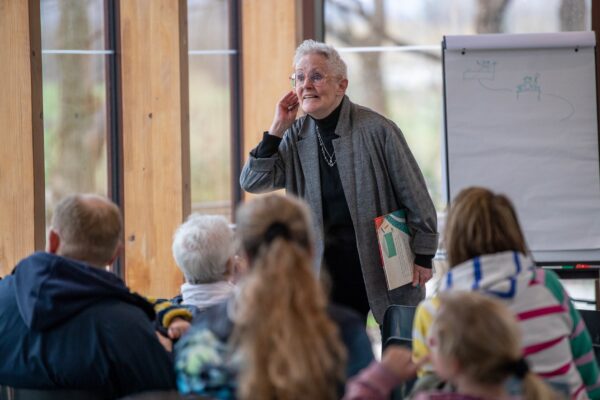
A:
(203, 250)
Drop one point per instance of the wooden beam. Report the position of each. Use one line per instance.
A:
(271, 31)
(22, 216)
(310, 27)
(153, 71)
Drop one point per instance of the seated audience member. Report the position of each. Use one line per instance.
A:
(474, 343)
(203, 251)
(276, 338)
(487, 253)
(65, 322)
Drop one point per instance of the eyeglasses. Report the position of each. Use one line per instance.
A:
(297, 79)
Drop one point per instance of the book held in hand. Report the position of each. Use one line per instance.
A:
(394, 246)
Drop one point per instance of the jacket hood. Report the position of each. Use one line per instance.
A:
(51, 289)
(502, 274)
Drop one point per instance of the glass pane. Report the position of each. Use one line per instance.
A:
(210, 134)
(411, 99)
(75, 116)
(207, 24)
(72, 24)
(582, 292)
(410, 22)
(406, 85)
(74, 95)
(548, 16)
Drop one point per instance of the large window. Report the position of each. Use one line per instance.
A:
(393, 53)
(210, 77)
(74, 63)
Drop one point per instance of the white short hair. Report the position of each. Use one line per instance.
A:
(335, 62)
(202, 246)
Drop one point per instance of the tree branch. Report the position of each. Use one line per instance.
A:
(348, 37)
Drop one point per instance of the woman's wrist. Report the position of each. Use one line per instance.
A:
(277, 129)
(276, 132)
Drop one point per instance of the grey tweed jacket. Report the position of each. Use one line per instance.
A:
(379, 175)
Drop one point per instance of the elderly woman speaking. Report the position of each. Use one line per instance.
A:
(351, 165)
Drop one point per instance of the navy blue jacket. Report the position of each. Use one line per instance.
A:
(64, 324)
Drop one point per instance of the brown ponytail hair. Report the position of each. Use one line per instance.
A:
(483, 337)
(290, 349)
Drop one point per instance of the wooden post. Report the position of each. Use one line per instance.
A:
(22, 216)
(271, 31)
(153, 67)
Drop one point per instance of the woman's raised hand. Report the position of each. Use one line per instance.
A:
(285, 114)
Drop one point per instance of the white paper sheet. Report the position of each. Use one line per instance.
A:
(523, 122)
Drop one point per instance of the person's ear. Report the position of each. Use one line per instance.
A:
(453, 368)
(342, 86)
(229, 268)
(239, 267)
(53, 243)
(116, 254)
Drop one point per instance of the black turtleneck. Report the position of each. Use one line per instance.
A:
(336, 215)
(341, 252)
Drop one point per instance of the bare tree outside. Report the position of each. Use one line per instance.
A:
(210, 100)
(75, 126)
(370, 61)
(406, 86)
(490, 15)
(573, 15)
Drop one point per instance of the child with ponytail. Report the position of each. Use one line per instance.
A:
(277, 338)
(475, 345)
(290, 347)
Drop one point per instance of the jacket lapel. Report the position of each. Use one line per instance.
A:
(344, 155)
(308, 152)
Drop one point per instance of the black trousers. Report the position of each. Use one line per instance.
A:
(343, 265)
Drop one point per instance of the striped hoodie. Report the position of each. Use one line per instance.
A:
(556, 342)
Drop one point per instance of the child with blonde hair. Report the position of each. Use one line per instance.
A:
(475, 345)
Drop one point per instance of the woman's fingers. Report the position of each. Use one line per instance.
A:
(293, 106)
(290, 100)
(285, 114)
(415, 281)
(287, 102)
(421, 275)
